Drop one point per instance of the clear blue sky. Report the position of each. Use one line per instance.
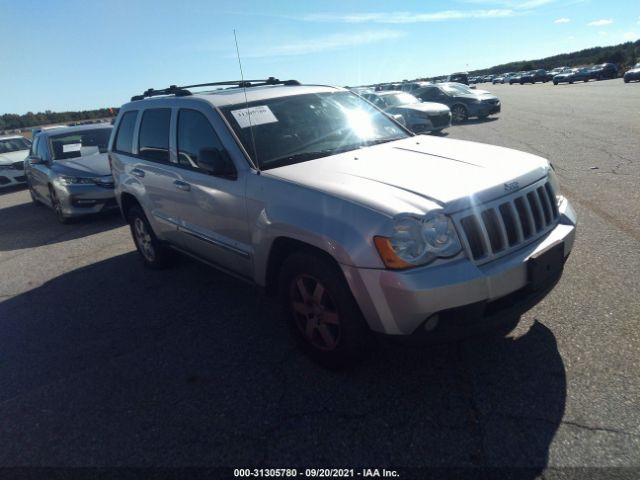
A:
(83, 54)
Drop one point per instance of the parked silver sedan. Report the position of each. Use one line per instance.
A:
(68, 170)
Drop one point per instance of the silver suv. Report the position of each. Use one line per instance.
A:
(357, 225)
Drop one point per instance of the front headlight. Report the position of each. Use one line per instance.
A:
(66, 180)
(555, 185)
(418, 240)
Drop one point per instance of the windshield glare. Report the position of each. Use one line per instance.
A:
(8, 145)
(457, 89)
(80, 144)
(297, 128)
(400, 99)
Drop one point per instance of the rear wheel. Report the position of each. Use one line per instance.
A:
(152, 252)
(321, 313)
(459, 113)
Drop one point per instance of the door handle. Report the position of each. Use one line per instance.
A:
(136, 172)
(180, 185)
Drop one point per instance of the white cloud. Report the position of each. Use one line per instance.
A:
(633, 36)
(530, 4)
(517, 4)
(324, 43)
(600, 23)
(409, 17)
(562, 20)
(602, 33)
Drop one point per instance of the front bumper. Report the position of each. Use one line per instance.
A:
(400, 302)
(79, 200)
(483, 109)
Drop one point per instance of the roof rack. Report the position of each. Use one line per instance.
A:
(182, 91)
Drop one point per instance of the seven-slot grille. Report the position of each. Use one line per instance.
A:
(491, 230)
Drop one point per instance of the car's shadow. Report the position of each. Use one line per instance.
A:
(114, 364)
(34, 226)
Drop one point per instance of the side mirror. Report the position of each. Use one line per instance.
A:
(216, 162)
(400, 119)
(35, 160)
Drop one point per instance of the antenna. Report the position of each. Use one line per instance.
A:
(246, 103)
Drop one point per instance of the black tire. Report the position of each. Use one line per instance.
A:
(57, 207)
(153, 253)
(459, 113)
(34, 197)
(437, 131)
(626, 80)
(570, 81)
(321, 313)
(555, 83)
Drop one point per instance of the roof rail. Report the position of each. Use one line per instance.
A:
(182, 91)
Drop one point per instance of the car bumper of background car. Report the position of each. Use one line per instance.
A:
(79, 200)
(484, 109)
(632, 76)
(11, 177)
(430, 300)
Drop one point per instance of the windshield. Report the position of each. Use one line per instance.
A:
(8, 145)
(457, 89)
(398, 99)
(297, 128)
(80, 144)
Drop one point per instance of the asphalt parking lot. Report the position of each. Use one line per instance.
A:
(105, 363)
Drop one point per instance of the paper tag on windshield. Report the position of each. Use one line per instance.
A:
(253, 116)
(71, 147)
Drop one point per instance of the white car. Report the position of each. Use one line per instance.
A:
(14, 149)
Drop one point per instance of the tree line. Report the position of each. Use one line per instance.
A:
(624, 55)
(10, 121)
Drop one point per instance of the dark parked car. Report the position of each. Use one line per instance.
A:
(573, 75)
(516, 77)
(459, 77)
(418, 116)
(535, 76)
(604, 71)
(462, 100)
(633, 74)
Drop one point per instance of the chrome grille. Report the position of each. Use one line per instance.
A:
(494, 229)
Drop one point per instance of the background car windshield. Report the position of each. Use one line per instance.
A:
(9, 145)
(297, 128)
(400, 99)
(457, 89)
(80, 144)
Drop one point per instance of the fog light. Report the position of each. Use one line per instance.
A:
(431, 323)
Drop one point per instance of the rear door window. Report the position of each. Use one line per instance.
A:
(153, 140)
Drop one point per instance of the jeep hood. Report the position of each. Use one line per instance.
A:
(418, 173)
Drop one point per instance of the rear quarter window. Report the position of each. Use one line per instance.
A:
(124, 135)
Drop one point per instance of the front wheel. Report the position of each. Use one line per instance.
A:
(57, 206)
(459, 113)
(152, 252)
(626, 80)
(32, 192)
(321, 313)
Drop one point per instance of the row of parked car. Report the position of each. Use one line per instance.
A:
(431, 107)
(352, 222)
(559, 75)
